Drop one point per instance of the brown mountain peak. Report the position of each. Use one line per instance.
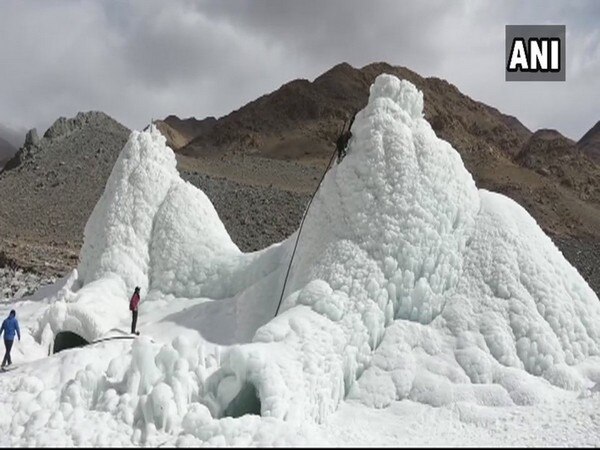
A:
(590, 143)
(548, 134)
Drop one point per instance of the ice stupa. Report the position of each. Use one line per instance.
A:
(408, 283)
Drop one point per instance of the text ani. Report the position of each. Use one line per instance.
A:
(534, 55)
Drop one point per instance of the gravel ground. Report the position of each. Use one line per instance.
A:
(585, 256)
(255, 217)
(257, 171)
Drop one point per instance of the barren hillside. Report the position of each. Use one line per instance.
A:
(300, 121)
(260, 164)
(590, 142)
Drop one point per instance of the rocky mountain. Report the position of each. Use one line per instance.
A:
(300, 120)
(52, 184)
(6, 152)
(180, 132)
(260, 164)
(292, 131)
(554, 156)
(590, 142)
(14, 136)
(10, 141)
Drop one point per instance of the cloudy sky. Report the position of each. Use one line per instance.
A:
(138, 60)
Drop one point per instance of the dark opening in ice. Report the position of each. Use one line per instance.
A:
(246, 402)
(67, 339)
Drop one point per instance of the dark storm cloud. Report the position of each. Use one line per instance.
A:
(138, 60)
(331, 31)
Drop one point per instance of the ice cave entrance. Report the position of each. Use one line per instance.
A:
(246, 402)
(67, 339)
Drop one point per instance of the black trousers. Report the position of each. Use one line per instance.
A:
(133, 320)
(8, 344)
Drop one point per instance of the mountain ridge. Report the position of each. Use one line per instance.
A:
(260, 163)
(10, 141)
(300, 121)
(590, 142)
(320, 108)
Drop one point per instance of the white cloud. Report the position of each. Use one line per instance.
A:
(139, 60)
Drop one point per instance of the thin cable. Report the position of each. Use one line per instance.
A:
(300, 229)
(112, 338)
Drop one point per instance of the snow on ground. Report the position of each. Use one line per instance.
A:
(16, 284)
(419, 311)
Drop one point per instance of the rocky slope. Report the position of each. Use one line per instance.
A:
(556, 157)
(180, 132)
(590, 142)
(300, 121)
(52, 184)
(10, 141)
(260, 164)
(6, 152)
(254, 216)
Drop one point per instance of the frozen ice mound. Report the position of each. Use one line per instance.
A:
(151, 228)
(408, 282)
(154, 230)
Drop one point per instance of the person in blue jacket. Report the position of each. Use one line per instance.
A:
(10, 326)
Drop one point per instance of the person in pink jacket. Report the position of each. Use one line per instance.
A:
(133, 307)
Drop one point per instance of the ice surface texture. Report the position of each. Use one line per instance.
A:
(408, 282)
(420, 286)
